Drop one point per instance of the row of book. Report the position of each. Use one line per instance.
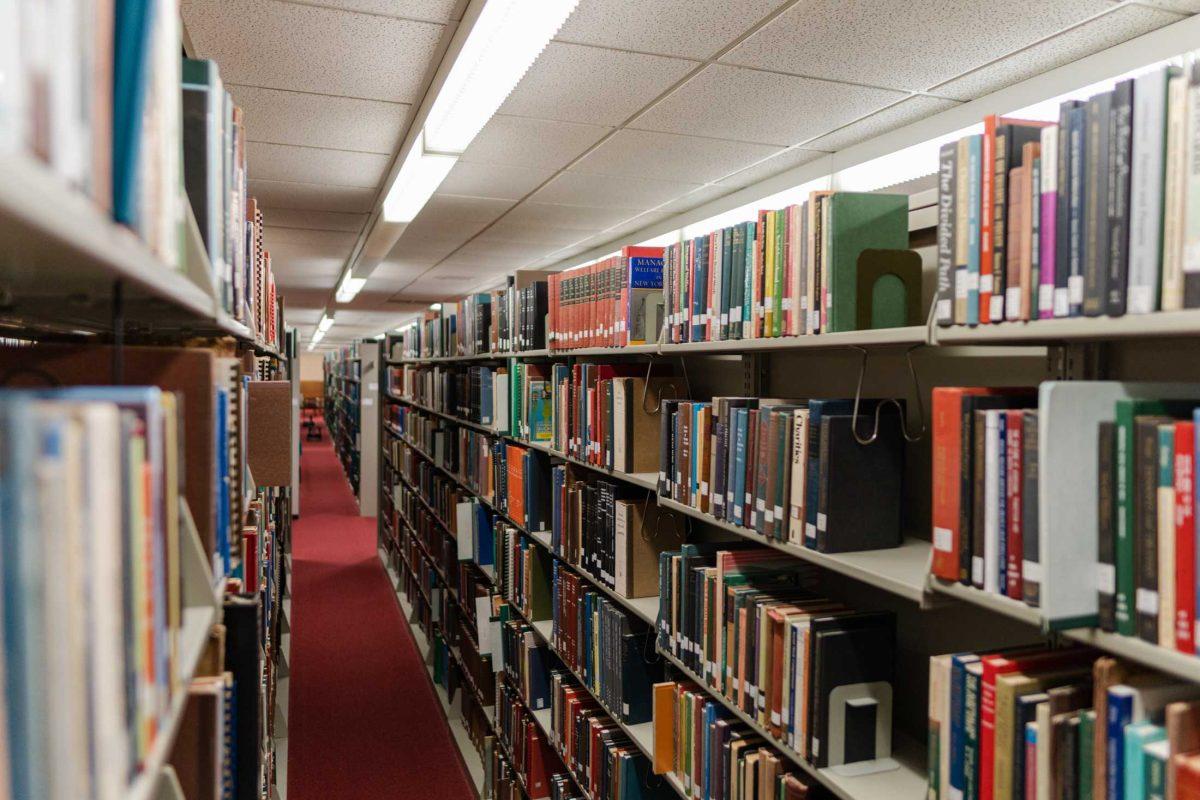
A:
(712, 754)
(791, 470)
(994, 501)
(604, 414)
(609, 531)
(1030, 722)
(747, 623)
(614, 302)
(612, 654)
(1095, 215)
(790, 272)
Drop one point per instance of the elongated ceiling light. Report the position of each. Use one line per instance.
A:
(349, 287)
(505, 40)
(325, 324)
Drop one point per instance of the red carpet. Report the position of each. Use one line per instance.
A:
(364, 721)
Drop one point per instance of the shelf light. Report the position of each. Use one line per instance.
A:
(349, 288)
(317, 336)
(435, 306)
(507, 37)
(419, 177)
(325, 324)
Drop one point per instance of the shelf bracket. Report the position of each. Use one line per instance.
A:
(755, 378)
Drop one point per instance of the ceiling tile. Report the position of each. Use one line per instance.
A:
(1113, 28)
(687, 28)
(589, 84)
(733, 99)
(669, 156)
(454, 208)
(774, 165)
(890, 118)
(318, 220)
(1182, 6)
(694, 198)
(874, 41)
(281, 162)
(318, 120)
(525, 141)
(317, 241)
(311, 196)
(310, 48)
(575, 217)
(605, 190)
(494, 180)
(423, 10)
(509, 229)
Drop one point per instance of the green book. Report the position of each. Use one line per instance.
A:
(1087, 753)
(516, 391)
(1155, 757)
(726, 280)
(1126, 411)
(859, 221)
(541, 411)
(1137, 736)
(737, 279)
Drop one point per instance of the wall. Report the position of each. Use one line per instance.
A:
(310, 367)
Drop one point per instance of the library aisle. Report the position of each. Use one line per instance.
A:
(365, 723)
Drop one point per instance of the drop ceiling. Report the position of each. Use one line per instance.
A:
(639, 109)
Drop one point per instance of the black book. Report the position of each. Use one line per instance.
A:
(860, 488)
(853, 672)
(639, 670)
(947, 184)
(1095, 206)
(1120, 144)
(539, 307)
(1025, 711)
(243, 658)
(1062, 211)
(1145, 522)
(1076, 152)
(666, 453)
(1106, 525)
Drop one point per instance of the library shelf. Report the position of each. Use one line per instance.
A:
(645, 608)
(908, 782)
(900, 570)
(908, 336)
(1160, 324)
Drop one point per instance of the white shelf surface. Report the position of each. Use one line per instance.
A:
(1161, 324)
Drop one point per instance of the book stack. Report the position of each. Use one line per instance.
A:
(1031, 722)
(523, 575)
(792, 471)
(805, 651)
(598, 526)
(612, 654)
(699, 742)
(605, 761)
(533, 759)
(600, 414)
(522, 481)
(791, 272)
(616, 302)
(1091, 216)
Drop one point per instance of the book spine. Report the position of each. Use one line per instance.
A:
(1014, 549)
(1031, 572)
(946, 278)
(1062, 254)
(986, 216)
(1145, 532)
(974, 167)
(1076, 211)
(1174, 192)
(1185, 537)
(960, 233)
(1191, 192)
(1120, 140)
(1002, 159)
(1146, 191)
(993, 443)
(947, 439)
(1166, 535)
(1095, 272)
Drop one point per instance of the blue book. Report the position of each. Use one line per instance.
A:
(698, 289)
(958, 699)
(1076, 150)
(1137, 736)
(710, 718)
(974, 180)
(486, 387)
(1120, 714)
(484, 536)
(133, 28)
(741, 419)
(221, 557)
(812, 476)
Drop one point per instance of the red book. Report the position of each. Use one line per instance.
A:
(250, 559)
(1001, 664)
(987, 184)
(947, 471)
(1013, 586)
(1185, 537)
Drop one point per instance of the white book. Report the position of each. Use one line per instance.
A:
(620, 427)
(500, 402)
(1190, 224)
(1175, 184)
(991, 502)
(621, 547)
(463, 517)
(1049, 188)
(1146, 189)
(799, 464)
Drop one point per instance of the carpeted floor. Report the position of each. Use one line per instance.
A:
(364, 721)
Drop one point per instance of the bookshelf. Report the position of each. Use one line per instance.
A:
(351, 378)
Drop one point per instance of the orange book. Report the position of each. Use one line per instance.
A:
(515, 464)
(664, 726)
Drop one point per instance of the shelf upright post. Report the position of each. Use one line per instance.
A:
(118, 326)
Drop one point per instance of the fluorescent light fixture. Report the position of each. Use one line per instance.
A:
(435, 307)
(419, 177)
(317, 336)
(349, 287)
(325, 324)
(507, 37)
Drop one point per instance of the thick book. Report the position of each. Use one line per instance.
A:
(859, 494)
(1120, 147)
(1096, 205)
(859, 221)
(1146, 189)
(243, 659)
(1008, 138)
